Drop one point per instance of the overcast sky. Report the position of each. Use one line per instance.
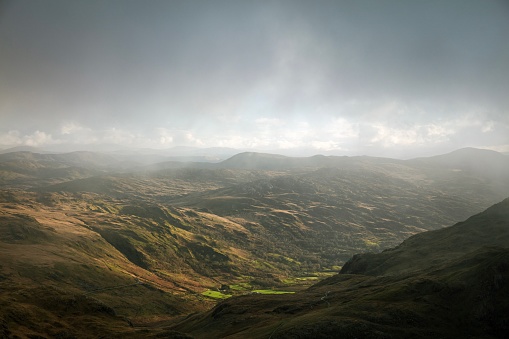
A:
(389, 78)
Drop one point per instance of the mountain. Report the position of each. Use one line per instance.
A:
(452, 282)
(122, 243)
(264, 161)
(471, 170)
(471, 160)
(36, 160)
(22, 149)
(322, 208)
(430, 250)
(34, 169)
(175, 156)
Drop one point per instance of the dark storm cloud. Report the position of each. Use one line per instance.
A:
(413, 50)
(158, 70)
(99, 56)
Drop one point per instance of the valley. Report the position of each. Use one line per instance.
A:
(92, 245)
(450, 283)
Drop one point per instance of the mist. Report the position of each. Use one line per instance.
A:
(329, 77)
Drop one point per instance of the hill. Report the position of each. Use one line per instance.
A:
(469, 159)
(430, 250)
(27, 169)
(150, 245)
(448, 283)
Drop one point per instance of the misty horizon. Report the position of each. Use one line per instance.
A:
(296, 78)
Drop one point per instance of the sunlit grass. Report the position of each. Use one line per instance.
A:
(215, 294)
(240, 287)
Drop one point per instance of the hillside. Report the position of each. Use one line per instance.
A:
(26, 169)
(448, 283)
(148, 245)
(480, 170)
(430, 250)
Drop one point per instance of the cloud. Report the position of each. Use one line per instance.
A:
(10, 138)
(38, 138)
(488, 126)
(328, 74)
(498, 148)
(341, 129)
(413, 135)
(269, 122)
(70, 128)
(325, 145)
(74, 133)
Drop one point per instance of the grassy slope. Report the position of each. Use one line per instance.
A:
(58, 277)
(183, 231)
(489, 228)
(464, 294)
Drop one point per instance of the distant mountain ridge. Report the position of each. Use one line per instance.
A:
(265, 161)
(465, 157)
(140, 155)
(473, 160)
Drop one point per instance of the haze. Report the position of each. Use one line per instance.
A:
(386, 78)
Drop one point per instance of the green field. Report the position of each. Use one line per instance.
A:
(215, 294)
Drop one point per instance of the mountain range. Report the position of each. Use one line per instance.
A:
(95, 244)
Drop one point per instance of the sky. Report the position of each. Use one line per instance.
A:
(383, 77)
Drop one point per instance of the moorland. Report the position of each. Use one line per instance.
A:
(97, 245)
